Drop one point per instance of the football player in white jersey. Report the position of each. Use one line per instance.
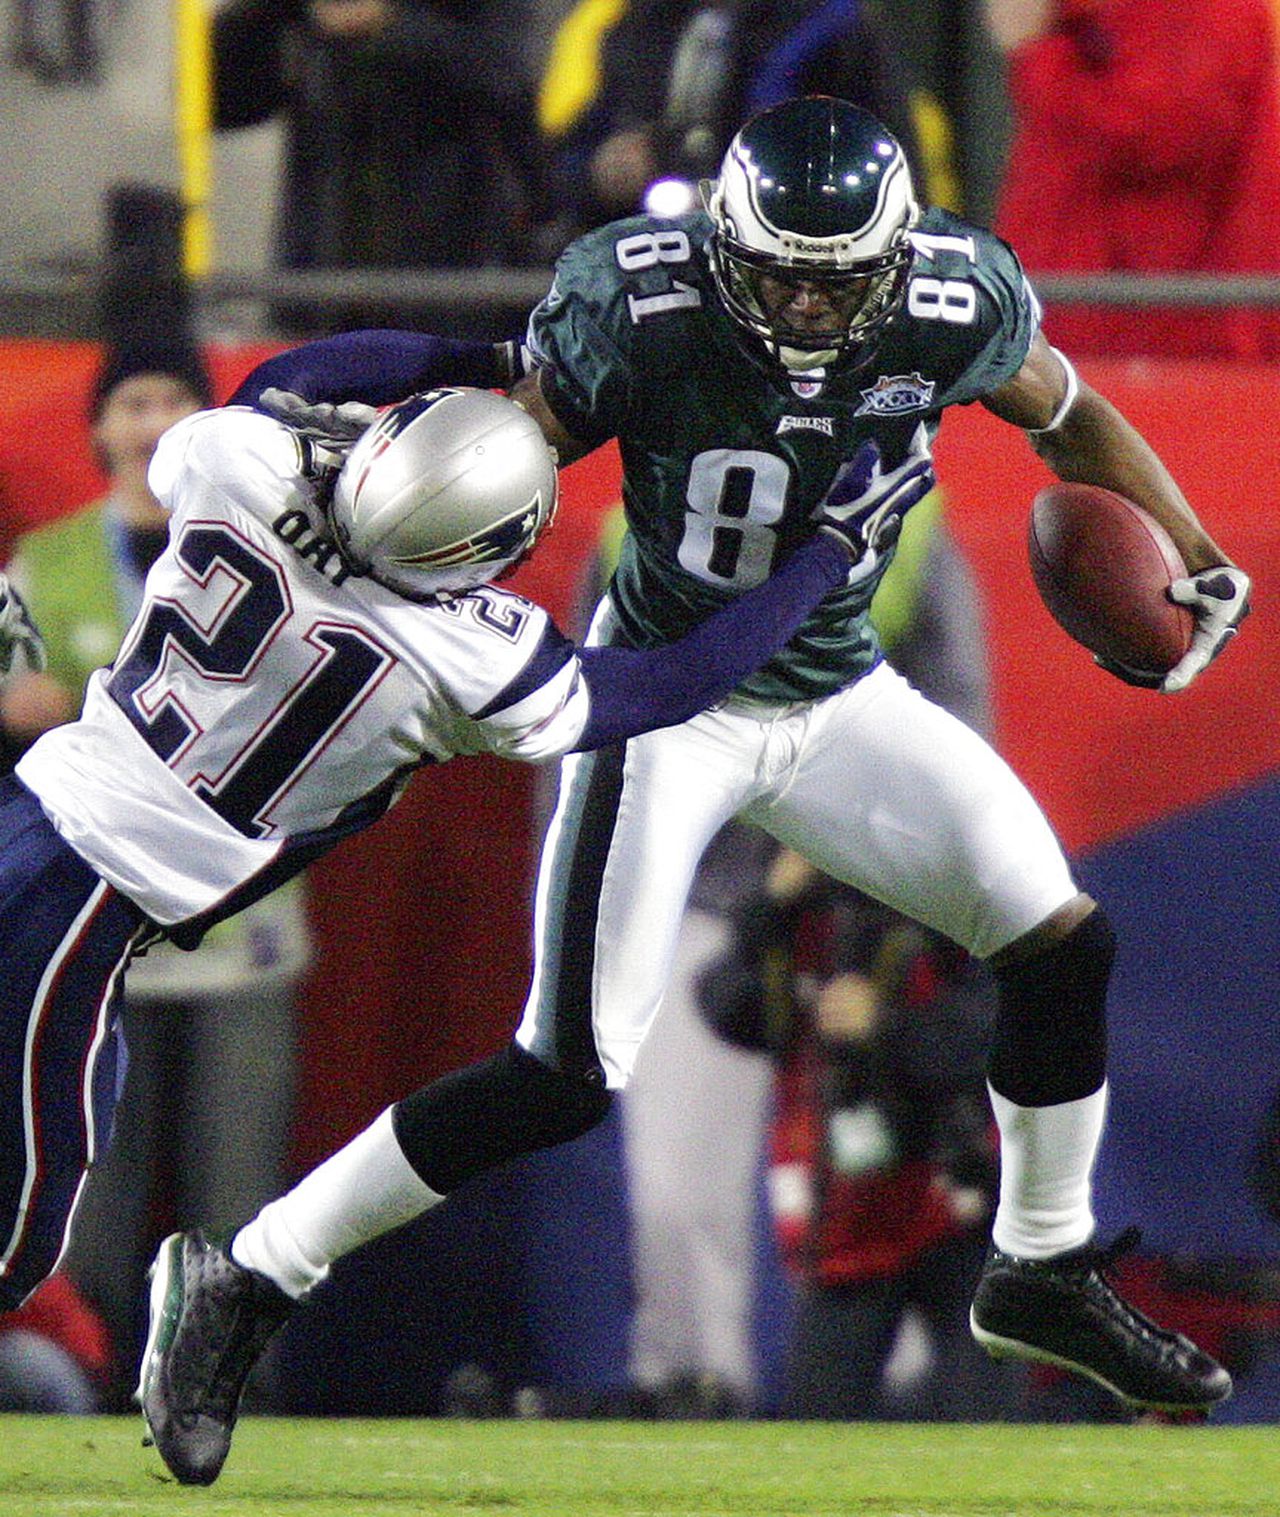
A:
(319, 627)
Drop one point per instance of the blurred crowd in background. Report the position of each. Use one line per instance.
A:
(821, 1052)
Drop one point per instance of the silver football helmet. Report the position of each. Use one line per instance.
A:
(444, 491)
(812, 193)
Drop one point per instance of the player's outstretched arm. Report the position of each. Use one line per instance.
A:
(1084, 438)
(380, 367)
(635, 690)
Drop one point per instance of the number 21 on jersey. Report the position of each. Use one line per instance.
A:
(239, 607)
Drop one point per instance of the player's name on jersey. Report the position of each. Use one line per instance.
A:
(294, 527)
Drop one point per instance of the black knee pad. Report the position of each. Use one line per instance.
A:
(478, 1117)
(1050, 1042)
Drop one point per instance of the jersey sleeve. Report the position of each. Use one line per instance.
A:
(1015, 318)
(237, 453)
(541, 711)
(575, 333)
(504, 669)
(973, 307)
(544, 716)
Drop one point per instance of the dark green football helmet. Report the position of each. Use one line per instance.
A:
(810, 251)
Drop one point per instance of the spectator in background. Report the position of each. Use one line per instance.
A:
(142, 388)
(410, 138)
(882, 1174)
(204, 1126)
(677, 79)
(1147, 141)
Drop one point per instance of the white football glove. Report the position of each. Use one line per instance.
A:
(1218, 598)
(864, 506)
(328, 429)
(21, 646)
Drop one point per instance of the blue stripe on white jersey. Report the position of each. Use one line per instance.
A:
(553, 652)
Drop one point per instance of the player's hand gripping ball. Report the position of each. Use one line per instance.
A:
(1104, 568)
(1114, 580)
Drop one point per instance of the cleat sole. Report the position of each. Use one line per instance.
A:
(164, 1309)
(999, 1347)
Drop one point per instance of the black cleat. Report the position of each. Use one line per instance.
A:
(1064, 1311)
(210, 1321)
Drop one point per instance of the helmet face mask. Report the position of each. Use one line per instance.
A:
(445, 491)
(809, 252)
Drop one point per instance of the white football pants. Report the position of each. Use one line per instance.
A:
(875, 785)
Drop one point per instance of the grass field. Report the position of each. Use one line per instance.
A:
(77, 1467)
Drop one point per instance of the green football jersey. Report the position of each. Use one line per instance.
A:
(725, 460)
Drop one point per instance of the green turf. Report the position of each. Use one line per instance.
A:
(74, 1467)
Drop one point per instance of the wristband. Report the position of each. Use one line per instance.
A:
(1068, 400)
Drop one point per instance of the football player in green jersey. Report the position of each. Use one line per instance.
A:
(791, 350)
(740, 358)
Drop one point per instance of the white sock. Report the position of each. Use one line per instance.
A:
(1046, 1170)
(359, 1193)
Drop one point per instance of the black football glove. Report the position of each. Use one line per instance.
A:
(864, 506)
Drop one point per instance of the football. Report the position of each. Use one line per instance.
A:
(1102, 566)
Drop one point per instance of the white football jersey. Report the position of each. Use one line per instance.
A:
(264, 703)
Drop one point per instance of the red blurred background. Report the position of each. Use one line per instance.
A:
(423, 924)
